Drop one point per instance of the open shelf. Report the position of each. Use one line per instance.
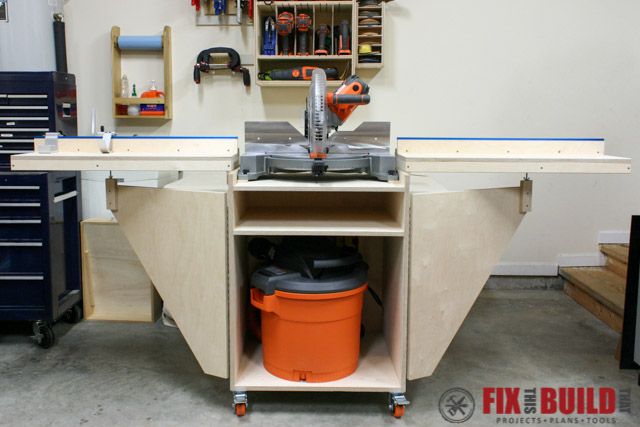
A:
(375, 372)
(295, 83)
(304, 57)
(138, 101)
(334, 222)
(300, 213)
(323, 184)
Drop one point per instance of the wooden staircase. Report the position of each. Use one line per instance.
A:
(601, 290)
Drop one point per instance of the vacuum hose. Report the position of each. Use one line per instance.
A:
(60, 43)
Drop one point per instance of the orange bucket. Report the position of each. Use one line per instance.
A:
(310, 337)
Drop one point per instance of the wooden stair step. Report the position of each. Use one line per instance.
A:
(617, 267)
(611, 319)
(606, 287)
(617, 252)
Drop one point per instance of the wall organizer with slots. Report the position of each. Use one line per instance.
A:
(319, 45)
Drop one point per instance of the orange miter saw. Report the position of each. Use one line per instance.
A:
(277, 147)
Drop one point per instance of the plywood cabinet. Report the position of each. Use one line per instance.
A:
(410, 240)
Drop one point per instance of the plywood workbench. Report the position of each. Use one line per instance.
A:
(430, 250)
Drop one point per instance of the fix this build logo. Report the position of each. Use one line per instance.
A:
(558, 405)
(544, 405)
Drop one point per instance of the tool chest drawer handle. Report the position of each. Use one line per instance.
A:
(20, 221)
(19, 187)
(20, 205)
(6, 278)
(65, 196)
(30, 119)
(28, 96)
(24, 107)
(21, 244)
(26, 129)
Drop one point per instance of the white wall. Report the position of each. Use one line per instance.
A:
(499, 68)
(26, 40)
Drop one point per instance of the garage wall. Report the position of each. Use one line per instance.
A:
(492, 68)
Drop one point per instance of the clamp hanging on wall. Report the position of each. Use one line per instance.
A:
(204, 65)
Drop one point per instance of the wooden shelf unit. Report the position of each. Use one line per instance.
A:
(375, 41)
(322, 12)
(374, 212)
(116, 55)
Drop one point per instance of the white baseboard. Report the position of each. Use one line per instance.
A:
(525, 269)
(613, 237)
(591, 259)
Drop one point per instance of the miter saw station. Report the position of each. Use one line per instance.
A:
(278, 149)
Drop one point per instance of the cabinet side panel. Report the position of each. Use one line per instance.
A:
(456, 239)
(180, 238)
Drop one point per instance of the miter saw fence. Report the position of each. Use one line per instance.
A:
(277, 147)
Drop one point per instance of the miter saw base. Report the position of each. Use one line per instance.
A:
(380, 166)
(277, 147)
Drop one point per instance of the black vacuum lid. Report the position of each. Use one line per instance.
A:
(311, 265)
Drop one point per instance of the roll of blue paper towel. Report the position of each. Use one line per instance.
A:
(140, 42)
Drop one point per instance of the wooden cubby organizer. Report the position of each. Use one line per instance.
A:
(371, 34)
(322, 12)
(374, 213)
(117, 54)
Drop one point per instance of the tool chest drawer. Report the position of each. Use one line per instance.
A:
(21, 290)
(32, 104)
(23, 256)
(39, 244)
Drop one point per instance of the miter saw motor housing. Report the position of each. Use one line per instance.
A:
(277, 147)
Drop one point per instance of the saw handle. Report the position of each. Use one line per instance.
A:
(350, 99)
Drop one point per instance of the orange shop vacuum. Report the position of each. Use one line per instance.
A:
(310, 296)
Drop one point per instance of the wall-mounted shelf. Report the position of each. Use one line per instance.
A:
(117, 54)
(330, 13)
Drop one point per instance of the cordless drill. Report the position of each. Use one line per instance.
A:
(284, 26)
(344, 39)
(303, 24)
(323, 33)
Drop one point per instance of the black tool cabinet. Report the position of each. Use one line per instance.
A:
(40, 278)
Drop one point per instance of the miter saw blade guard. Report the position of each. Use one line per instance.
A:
(277, 147)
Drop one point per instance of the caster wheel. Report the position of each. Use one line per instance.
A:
(241, 409)
(73, 315)
(398, 411)
(45, 336)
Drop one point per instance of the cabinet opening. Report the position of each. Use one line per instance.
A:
(381, 366)
(320, 213)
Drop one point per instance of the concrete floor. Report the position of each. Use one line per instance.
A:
(114, 374)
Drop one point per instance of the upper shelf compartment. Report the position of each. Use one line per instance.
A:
(319, 213)
(459, 155)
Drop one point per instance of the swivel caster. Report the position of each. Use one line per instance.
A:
(240, 403)
(241, 409)
(43, 334)
(397, 404)
(73, 315)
